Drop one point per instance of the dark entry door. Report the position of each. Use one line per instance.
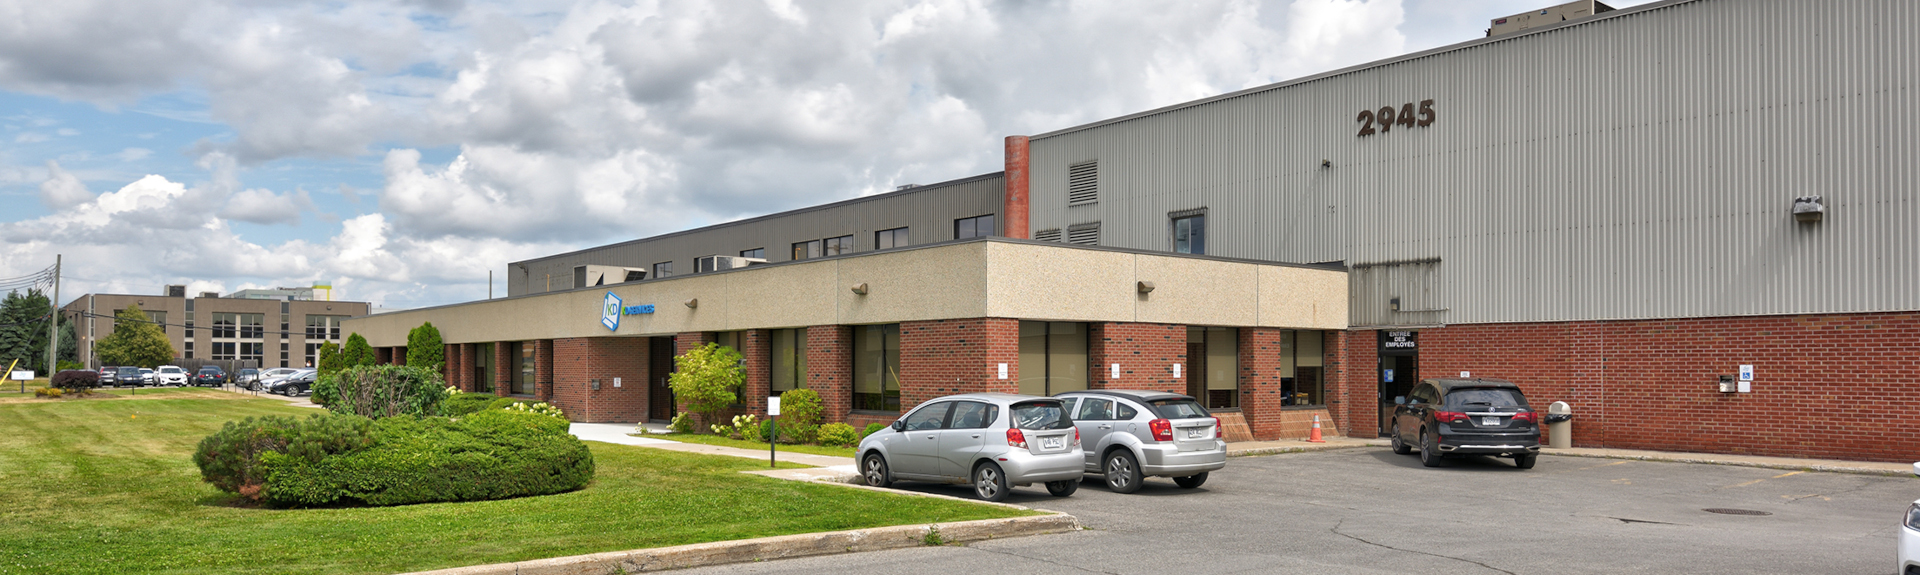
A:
(660, 364)
(1197, 371)
(1399, 371)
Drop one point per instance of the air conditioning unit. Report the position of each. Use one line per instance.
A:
(704, 264)
(591, 275)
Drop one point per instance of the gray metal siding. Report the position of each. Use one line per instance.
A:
(928, 212)
(1636, 165)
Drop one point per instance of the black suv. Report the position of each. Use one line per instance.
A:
(1443, 417)
(210, 375)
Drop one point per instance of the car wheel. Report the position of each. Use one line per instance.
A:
(1191, 481)
(1429, 450)
(288, 391)
(1063, 487)
(1123, 472)
(1525, 461)
(875, 471)
(989, 482)
(1400, 446)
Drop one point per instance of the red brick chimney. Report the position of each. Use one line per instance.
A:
(1014, 213)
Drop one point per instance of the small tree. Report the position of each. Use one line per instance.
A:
(425, 349)
(135, 341)
(705, 378)
(330, 360)
(379, 391)
(357, 352)
(23, 329)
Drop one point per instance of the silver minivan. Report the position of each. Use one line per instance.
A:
(990, 440)
(1133, 434)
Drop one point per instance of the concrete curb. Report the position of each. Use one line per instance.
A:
(1305, 448)
(768, 548)
(1737, 463)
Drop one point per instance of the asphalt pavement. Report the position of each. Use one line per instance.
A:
(1366, 510)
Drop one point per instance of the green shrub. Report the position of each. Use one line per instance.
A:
(704, 379)
(75, 381)
(492, 454)
(379, 391)
(873, 428)
(838, 435)
(749, 427)
(682, 423)
(466, 403)
(767, 429)
(231, 458)
(800, 414)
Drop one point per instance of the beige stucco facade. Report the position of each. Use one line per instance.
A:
(986, 277)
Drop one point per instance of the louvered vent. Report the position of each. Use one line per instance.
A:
(1052, 235)
(1083, 183)
(1084, 234)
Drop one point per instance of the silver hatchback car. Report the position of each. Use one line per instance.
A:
(990, 440)
(1133, 434)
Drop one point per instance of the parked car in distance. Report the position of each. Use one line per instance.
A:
(210, 375)
(128, 375)
(296, 384)
(170, 375)
(109, 376)
(993, 441)
(245, 376)
(270, 376)
(1442, 417)
(1129, 435)
(147, 377)
(1910, 537)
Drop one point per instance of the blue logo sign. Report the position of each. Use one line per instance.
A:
(639, 309)
(610, 312)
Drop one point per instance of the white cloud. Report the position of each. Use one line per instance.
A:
(30, 138)
(265, 207)
(133, 154)
(62, 190)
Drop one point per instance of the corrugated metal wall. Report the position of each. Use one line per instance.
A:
(1638, 165)
(928, 212)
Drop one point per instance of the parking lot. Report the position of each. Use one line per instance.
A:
(1369, 511)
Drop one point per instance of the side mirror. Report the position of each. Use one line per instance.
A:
(899, 425)
(1400, 400)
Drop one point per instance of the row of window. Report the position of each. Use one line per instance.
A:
(963, 228)
(1188, 230)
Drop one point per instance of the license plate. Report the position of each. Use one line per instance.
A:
(1489, 421)
(1052, 442)
(1196, 433)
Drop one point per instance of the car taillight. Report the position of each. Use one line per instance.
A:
(1076, 437)
(1451, 416)
(1017, 439)
(1162, 429)
(1527, 416)
(1217, 430)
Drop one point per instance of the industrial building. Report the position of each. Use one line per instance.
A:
(281, 327)
(1690, 220)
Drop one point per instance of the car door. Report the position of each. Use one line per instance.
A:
(1094, 418)
(1413, 414)
(965, 436)
(918, 451)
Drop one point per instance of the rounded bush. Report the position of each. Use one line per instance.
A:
(838, 435)
(873, 428)
(800, 414)
(75, 381)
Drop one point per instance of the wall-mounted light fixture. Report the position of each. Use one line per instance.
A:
(1143, 287)
(1809, 209)
(1393, 304)
(860, 288)
(693, 303)
(1326, 163)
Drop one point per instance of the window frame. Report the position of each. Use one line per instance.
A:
(1196, 241)
(895, 238)
(974, 224)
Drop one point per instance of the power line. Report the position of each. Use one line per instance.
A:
(263, 330)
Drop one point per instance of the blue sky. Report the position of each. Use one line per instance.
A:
(401, 149)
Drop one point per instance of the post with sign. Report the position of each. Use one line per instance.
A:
(773, 417)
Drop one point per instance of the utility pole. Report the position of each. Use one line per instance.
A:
(53, 326)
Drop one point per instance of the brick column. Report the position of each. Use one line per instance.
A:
(945, 357)
(1360, 386)
(400, 355)
(757, 350)
(543, 369)
(503, 367)
(1014, 209)
(1146, 353)
(450, 367)
(1261, 396)
(830, 369)
(577, 362)
(1333, 352)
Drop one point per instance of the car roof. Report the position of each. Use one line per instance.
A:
(1141, 395)
(990, 397)
(1449, 384)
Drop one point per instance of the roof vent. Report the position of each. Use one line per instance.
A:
(1546, 17)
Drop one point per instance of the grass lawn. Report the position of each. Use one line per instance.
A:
(743, 444)
(107, 486)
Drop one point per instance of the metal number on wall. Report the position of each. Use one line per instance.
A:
(1386, 118)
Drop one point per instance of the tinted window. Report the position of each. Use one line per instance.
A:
(1041, 415)
(931, 417)
(1486, 397)
(1123, 412)
(974, 415)
(129, 371)
(1094, 409)
(1178, 408)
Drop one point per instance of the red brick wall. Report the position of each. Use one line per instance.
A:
(1013, 217)
(449, 369)
(504, 364)
(1146, 353)
(945, 357)
(756, 349)
(578, 361)
(1260, 373)
(830, 369)
(1358, 386)
(1826, 386)
(1335, 354)
(468, 353)
(383, 355)
(400, 355)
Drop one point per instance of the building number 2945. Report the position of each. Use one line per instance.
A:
(1386, 118)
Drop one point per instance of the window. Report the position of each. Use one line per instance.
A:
(789, 361)
(313, 354)
(973, 415)
(1213, 357)
(1083, 183)
(159, 318)
(222, 350)
(1102, 409)
(224, 325)
(974, 227)
(662, 269)
(839, 245)
(252, 351)
(894, 238)
(252, 326)
(1053, 357)
(1302, 361)
(483, 367)
(324, 326)
(806, 250)
(930, 417)
(522, 377)
(1190, 234)
(876, 367)
(757, 253)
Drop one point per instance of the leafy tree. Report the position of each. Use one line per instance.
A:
(69, 344)
(705, 379)
(23, 329)
(330, 360)
(425, 349)
(357, 352)
(135, 341)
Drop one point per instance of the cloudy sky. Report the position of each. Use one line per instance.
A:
(402, 148)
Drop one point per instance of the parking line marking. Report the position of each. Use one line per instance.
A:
(1760, 480)
(1788, 473)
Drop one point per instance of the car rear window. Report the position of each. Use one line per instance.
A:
(129, 371)
(1040, 415)
(1486, 397)
(1178, 408)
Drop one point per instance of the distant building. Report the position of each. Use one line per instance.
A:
(248, 325)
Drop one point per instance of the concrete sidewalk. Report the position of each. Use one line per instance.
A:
(1831, 465)
(618, 433)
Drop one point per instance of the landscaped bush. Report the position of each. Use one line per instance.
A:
(334, 459)
(47, 392)
(838, 435)
(682, 423)
(379, 391)
(75, 381)
(873, 428)
(799, 415)
(458, 404)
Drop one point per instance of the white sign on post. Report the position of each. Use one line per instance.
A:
(22, 375)
(1003, 371)
(773, 406)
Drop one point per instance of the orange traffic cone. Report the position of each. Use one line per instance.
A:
(1315, 437)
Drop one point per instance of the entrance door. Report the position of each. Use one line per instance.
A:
(1197, 370)
(1399, 371)
(660, 364)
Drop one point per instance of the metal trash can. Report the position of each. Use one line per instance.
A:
(1559, 425)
